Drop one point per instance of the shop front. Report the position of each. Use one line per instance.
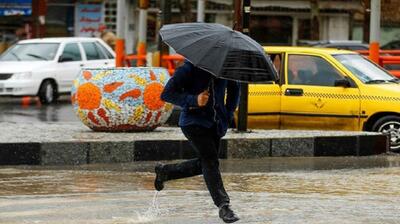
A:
(15, 18)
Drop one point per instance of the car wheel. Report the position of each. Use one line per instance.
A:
(47, 92)
(389, 125)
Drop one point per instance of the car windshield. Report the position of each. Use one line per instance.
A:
(365, 70)
(31, 52)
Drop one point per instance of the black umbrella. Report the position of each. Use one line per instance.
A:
(220, 50)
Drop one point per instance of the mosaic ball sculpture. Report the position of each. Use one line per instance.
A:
(121, 99)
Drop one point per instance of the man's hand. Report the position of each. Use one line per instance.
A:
(202, 98)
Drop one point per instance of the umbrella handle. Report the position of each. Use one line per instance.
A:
(211, 85)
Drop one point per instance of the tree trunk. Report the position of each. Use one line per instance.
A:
(314, 19)
(367, 15)
(237, 23)
(186, 10)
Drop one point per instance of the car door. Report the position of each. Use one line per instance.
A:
(264, 100)
(69, 65)
(108, 52)
(310, 99)
(95, 58)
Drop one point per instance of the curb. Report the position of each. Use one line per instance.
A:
(87, 152)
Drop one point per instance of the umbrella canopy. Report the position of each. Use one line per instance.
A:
(220, 50)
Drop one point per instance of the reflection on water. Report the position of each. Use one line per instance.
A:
(335, 176)
(377, 181)
(293, 193)
(19, 110)
(31, 110)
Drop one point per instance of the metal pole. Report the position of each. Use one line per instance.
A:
(121, 19)
(141, 48)
(374, 35)
(244, 87)
(142, 25)
(120, 42)
(375, 20)
(295, 30)
(119, 52)
(200, 10)
(166, 15)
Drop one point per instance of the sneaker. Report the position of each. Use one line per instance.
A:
(227, 215)
(160, 177)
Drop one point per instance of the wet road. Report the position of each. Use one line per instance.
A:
(28, 110)
(31, 110)
(272, 190)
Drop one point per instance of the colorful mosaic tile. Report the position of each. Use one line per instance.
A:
(121, 99)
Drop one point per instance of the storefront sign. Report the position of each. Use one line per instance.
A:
(89, 18)
(15, 7)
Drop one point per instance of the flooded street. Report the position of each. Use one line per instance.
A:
(21, 110)
(30, 110)
(272, 190)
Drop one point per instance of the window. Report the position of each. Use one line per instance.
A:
(311, 70)
(349, 47)
(107, 52)
(304, 29)
(277, 61)
(110, 15)
(357, 48)
(72, 52)
(363, 69)
(31, 52)
(92, 51)
(271, 30)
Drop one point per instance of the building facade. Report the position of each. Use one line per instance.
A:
(273, 22)
(281, 22)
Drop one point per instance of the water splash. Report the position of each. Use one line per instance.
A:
(155, 204)
(152, 213)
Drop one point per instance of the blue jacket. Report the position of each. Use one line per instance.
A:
(183, 88)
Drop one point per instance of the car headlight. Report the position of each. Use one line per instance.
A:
(22, 75)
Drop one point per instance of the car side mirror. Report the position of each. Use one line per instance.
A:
(64, 59)
(343, 83)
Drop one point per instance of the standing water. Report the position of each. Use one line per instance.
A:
(152, 214)
(271, 190)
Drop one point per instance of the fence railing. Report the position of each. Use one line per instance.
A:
(381, 52)
(388, 59)
(170, 62)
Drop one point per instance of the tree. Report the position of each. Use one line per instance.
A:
(367, 15)
(314, 7)
(185, 7)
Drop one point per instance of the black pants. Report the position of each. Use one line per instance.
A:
(206, 142)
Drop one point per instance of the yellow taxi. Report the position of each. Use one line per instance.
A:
(326, 89)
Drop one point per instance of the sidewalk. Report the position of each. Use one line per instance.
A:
(73, 143)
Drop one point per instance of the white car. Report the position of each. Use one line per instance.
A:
(47, 67)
